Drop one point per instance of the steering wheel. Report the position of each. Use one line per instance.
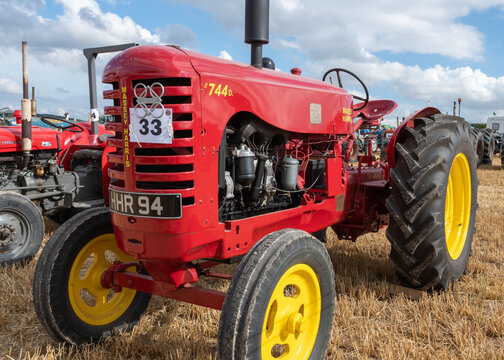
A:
(47, 120)
(337, 71)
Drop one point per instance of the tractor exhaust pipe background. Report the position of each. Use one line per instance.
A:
(256, 28)
(33, 103)
(26, 110)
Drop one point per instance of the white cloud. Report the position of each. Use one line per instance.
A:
(9, 86)
(55, 58)
(354, 35)
(291, 5)
(225, 55)
(60, 41)
(326, 27)
(289, 44)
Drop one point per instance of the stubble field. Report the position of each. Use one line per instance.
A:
(369, 322)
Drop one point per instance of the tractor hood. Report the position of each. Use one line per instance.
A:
(42, 139)
(223, 88)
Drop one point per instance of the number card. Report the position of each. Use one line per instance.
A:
(94, 115)
(152, 126)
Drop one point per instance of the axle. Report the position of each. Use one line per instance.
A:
(117, 277)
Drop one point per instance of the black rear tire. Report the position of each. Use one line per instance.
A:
(70, 315)
(418, 232)
(21, 229)
(488, 146)
(478, 143)
(250, 319)
(502, 150)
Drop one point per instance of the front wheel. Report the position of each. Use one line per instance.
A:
(280, 303)
(68, 297)
(433, 201)
(21, 228)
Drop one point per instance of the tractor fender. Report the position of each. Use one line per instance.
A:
(425, 112)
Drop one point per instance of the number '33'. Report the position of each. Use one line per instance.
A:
(155, 125)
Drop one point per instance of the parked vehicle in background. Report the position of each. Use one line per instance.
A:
(56, 170)
(488, 141)
(495, 130)
(502, 150)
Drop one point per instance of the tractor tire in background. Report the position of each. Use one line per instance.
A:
(478, 143)
(498, 143)
(488, 146)
(68, 297)
(280, 303)
(21, 229)
(433, 202)
(502, 150)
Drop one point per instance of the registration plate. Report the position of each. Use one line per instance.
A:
(160, 206)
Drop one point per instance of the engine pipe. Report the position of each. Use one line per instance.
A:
(256, 29)
(257, 184)
(26, 111)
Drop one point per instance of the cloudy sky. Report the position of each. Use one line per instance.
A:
(428, 51)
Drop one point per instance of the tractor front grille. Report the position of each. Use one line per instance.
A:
(155, 167)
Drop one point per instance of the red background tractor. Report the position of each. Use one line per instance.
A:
(56, 171)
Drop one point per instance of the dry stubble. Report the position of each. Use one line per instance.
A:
(467, 323)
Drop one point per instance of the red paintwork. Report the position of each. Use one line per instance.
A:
(18, 116)
(375, 109)
(46, 139)
(167, 247)
(116, 277)
(210, 298)
(10, 138)
(425, 112)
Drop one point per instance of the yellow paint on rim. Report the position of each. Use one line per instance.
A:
(292, 317)
(92, 303)
(458, 206)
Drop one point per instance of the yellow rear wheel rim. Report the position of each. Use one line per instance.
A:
(92, 303)
(458, 206)
(293, 315)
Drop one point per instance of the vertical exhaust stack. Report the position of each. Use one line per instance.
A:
(33, 103)
(256, 29)
(26, 110)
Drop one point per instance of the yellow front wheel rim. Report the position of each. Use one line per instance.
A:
(293, 315)
(458, 206)
(92, 303)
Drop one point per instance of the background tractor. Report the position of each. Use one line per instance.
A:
(488, 141)
(56, 170)
(221, 162)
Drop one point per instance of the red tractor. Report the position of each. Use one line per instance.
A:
(62, 175)
(222, 162)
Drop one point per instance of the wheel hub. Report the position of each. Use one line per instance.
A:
(92, 302)
(7, 235)
(295, 324)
